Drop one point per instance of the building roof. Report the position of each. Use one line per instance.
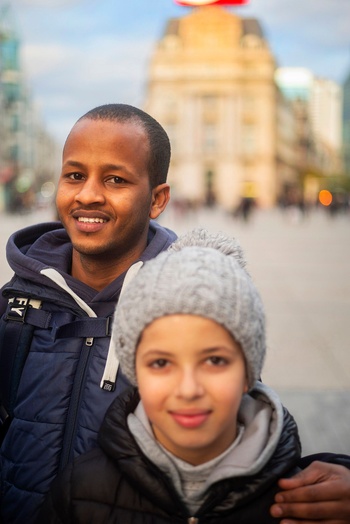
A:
(250, 26)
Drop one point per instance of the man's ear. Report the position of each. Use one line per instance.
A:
(160, 198)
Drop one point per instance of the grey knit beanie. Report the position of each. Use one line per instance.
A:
(201, 274)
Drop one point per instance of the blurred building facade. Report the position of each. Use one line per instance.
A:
(233, 130)
(27, 152)
(318, 101)
(346, 125)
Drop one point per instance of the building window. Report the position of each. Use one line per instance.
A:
(249, 139)
(171, 130)
(170, 104)
(15, 123)
(209, 138)
(209, 102)
(249, 104)
(252, 42)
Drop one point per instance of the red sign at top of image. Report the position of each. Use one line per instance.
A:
(197, 3)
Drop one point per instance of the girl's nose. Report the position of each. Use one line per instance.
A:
(189, 385)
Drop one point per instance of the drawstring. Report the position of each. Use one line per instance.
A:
(112, 362)
(56, 277)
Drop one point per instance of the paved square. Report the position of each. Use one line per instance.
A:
(301, 265)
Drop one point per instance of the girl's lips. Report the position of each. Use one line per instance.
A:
(190, 420)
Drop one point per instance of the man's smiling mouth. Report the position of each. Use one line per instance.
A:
(91, 220)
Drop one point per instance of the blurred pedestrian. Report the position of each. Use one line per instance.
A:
(247, 202)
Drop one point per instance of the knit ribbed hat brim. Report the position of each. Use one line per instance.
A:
(201, 274)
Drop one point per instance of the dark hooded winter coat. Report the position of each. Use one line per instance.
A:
(60, 405)
(118, 484)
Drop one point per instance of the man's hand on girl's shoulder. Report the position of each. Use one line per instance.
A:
(319, 493)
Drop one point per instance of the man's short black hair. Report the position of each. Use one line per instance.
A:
(159, 144)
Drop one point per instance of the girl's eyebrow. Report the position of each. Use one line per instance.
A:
(157, 351)
(205, 351)
(215, 349)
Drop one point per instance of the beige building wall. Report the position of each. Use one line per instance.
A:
(211, 84)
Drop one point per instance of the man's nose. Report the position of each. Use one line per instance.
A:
(90, 192)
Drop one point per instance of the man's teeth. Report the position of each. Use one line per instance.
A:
(91, 220)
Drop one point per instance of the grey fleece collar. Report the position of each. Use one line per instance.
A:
(261, 418)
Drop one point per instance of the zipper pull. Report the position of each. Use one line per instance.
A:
(89, 341)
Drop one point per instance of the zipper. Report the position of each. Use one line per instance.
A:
(80, 374)
(74, 405)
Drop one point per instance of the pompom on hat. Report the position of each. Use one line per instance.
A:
(200, 274)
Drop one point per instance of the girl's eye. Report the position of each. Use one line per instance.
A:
(159, 363)
(217, 361)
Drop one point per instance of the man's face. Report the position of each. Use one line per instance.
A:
(104, 198)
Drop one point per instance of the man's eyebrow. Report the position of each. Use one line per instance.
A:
(105, 167)
(76, 163)
(114, 167)
(73, 163)
(118, 167)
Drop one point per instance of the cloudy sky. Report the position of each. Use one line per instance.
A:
(78, 54)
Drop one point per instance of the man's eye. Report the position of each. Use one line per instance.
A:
(117, 180)
(75, 176)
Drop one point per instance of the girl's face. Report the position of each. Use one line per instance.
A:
(191, 376)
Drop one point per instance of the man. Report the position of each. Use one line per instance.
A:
(112, 187)
(113, 183)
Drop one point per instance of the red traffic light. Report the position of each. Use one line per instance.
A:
(197, 3)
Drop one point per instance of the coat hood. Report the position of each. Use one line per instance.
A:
(35, 249)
